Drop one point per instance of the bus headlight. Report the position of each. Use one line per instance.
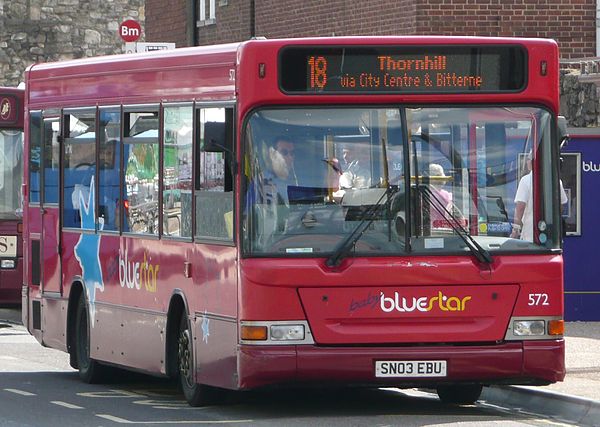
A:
(528, 327)
(287, 332)
(280, 332)
(7, 263)
(535, 328)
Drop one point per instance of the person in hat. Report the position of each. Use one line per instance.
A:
(439, 219)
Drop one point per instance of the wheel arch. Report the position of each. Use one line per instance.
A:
(177, 306)
(74, 295)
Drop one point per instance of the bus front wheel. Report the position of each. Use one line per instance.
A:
(195, 394)
(89, 369)
(459, 394)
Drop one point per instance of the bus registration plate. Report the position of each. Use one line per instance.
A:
(8, 246)
(410, 369)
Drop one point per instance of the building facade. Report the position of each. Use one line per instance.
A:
(199, 22)
(34, 31)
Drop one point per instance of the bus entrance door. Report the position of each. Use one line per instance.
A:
(51, 280)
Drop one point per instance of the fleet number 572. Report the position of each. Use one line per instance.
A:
(538, 299)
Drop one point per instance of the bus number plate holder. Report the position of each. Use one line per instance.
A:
(410, 368)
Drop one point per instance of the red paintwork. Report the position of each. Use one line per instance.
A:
(226, 288)
(513, 363)
(543, 90)
(11, 280)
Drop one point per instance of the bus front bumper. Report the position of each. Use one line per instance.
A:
(527, 362)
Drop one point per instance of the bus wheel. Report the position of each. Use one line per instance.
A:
(195, 394)
(89, 369)
(459, 394)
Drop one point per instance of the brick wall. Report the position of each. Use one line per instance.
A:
(233, 23)
(570, 22)
(167, 21)
(299, 18)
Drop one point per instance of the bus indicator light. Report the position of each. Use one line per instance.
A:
(556, 327)
(253, 333)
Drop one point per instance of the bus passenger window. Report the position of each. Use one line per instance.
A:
(35, 155)
(79, 167)
(177, 171)
(109, 164)
(140, 145)
(51, 156)
(214, 180)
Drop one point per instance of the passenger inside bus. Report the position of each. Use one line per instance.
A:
(280, 173)
(522, 227)
(442, 210)
(439, 218)
(356, 173)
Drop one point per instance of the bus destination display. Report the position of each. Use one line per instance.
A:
(402, 69)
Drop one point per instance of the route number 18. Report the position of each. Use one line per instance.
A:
(318, 72)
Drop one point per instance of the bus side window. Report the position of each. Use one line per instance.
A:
(140, 155)
(177, 171)
(214, 178)
(35, 155)
(79, 166)
(109, 140)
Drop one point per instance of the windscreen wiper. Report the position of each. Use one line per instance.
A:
(481, 254)
(343, 248)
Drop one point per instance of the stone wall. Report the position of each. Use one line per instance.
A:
(579, 102)
(34, 31)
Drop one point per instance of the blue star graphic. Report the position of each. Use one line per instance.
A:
(205, 328)
(87, 250)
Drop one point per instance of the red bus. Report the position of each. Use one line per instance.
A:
(326, 211)
(11, 209)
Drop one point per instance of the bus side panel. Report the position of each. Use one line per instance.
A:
(51, 278)
(130, 303)
(54, 321)
(213, 304)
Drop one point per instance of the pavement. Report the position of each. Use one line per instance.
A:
(576, 400)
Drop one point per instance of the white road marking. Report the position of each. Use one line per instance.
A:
(65, 404)
(124, 421)
(111, 394)
(114, 419)
(21, 392)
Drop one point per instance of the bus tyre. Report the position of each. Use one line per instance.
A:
(89, 369)
(195, 394)
(459, 394)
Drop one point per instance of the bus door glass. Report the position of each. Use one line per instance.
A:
(51, 272)
(11, 171)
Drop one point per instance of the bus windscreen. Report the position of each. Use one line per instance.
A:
(402, 69)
